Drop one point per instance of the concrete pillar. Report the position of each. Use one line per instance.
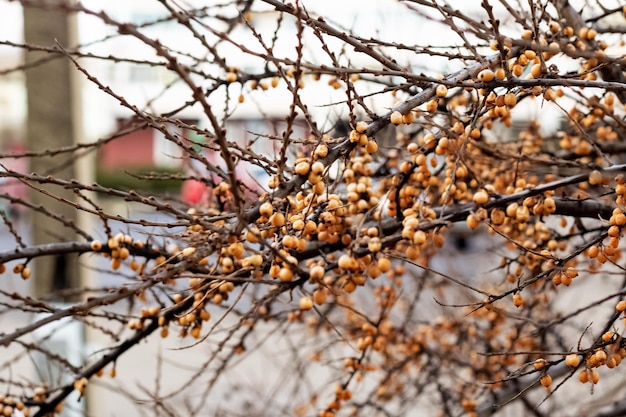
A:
(50, 125)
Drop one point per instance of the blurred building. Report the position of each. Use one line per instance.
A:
(262, 113)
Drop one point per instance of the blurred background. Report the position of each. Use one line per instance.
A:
(44, 111)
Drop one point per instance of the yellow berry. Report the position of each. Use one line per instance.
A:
(396, 118)
(371, 146)
(317, 273)
(319, 296)
(266, 209)
(374, 244)
(361, 127)
(273, 182)
(80, 385)
(595, 376)
(546, 380)
(535, 71)
(572, 360)
(472, 221)
(510, 99)
(256, 260)
(549, 205)
(595, 177)
(277, 219)
(431, 106)
(591, 34)
(306, 303)
(115, 263)
(123, 253)
(321, 150)
(345, 261)
(608, 336)
(302, 168)
(384, 264)
(554, 27)
(186, 252)
(583, 376)
(317, 168)
(486, 75)
(25, 273)
(285, 274)
(540, 363)
(481, 197)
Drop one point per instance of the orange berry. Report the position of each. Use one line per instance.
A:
(441, 90)
(595, 376)
(572, 360)
(384, 264)
(472, 221)
(608, 336)
(266, 209)
(486, 75)
(361, 127)
(306, 303)
(535, 71)
(25, 273)
(546, 380)
(302, 168)
(396, 118)
(481, 197)
(319, 296)
(510, 99)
